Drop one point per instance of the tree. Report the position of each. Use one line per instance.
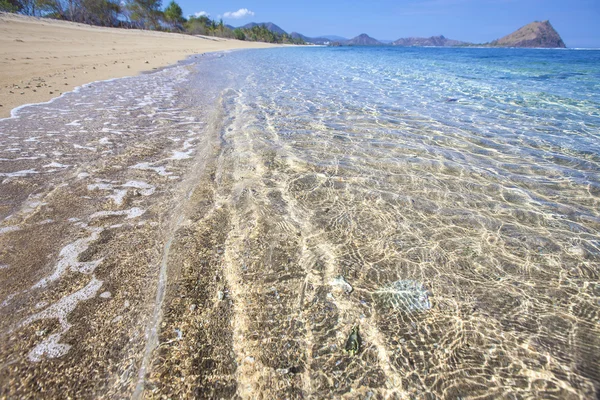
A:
(145, 13)
(198, 25)
(27, 7)
(239, 34)
(174, 15)
(9, 6)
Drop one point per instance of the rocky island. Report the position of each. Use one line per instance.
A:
(535, 34)
(363, 40)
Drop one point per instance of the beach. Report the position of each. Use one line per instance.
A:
(42, 58)
(307, 222)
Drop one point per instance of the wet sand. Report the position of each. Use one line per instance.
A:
(42, 58)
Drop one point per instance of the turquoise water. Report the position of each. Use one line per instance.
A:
(471, 174)
(444, 201)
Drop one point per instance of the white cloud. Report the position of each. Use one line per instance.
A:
(241, 13)
(201, 14)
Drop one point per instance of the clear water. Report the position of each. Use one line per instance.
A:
(473, 174)
(455, 191)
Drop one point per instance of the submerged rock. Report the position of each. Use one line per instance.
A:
(353, 343)
(339, 284)
(404, 295)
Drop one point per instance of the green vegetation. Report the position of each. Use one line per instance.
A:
(260, 33)
(140, 14)
(174, 16)
(203, 25)
(8, 6)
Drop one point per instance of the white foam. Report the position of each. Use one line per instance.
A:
(8, 300)
(84, 147)
(181, 155)
(19, 174)
(131, 213)
(56, 165)
(118, 196)
(105, 141)
(147, 166)
(82, 175)
(74, 123)
(68, 259)
(7, 229)
(3, 266)
(105, 295)
(145, 188)
(99, 186)
(50, 347)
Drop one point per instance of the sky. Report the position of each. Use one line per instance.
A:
(477, 21)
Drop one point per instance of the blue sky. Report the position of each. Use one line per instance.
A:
(478, 21)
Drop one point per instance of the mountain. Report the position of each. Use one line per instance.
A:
(317, 40)
(269, 25)
(334, 38)
(363, 40)
(439, 41)
(535, 34)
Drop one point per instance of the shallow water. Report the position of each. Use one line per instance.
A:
(475, 173)
(455, 191)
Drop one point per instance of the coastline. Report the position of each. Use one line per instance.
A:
(41, 59)
(238, 229)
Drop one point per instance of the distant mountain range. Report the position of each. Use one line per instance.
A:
(438, 41)
(535, 34)
(318, 40)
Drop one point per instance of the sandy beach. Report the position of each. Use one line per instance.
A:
(42, 58)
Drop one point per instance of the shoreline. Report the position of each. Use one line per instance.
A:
(41, 59)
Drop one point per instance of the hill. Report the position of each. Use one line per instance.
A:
(535, 34)
(363, 40)
(439, 41)
(317, 40)
(269, 25)
(334, 38)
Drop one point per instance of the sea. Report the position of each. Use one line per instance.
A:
(443, 201)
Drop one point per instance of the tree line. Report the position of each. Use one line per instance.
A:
(139, 14)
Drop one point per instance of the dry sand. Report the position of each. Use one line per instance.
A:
(42, 58)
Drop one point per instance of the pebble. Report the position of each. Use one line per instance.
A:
(220, 295)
